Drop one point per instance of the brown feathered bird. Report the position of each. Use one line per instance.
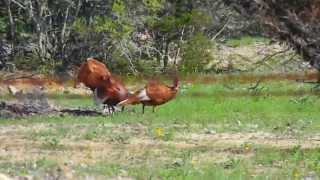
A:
(153, 94)
(107, 89)
(111, 92)
(90, 73)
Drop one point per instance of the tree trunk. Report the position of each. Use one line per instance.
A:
(12, 28)
(166, 55)
(40, 27)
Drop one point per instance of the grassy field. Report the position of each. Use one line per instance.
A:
(212, 130)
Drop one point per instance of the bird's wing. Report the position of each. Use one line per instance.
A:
(142, 95)
(158, 92)
(136, 98)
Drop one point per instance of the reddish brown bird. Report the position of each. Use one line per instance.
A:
(90, 73)
(107, 89)
(111, 92)
(153, 94)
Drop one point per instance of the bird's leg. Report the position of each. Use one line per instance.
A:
(143, 108)
(95, 97)
(112, 109)
(122, 108)
(153, 107)
(105, 108)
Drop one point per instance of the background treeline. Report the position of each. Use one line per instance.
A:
(130, 36)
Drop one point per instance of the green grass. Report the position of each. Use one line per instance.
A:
(276, 107)
(204, 105)
(245, 41)
(281, 108)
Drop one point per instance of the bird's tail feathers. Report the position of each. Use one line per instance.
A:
(131, 100)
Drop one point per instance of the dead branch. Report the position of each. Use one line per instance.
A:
(254, 87)
(19, 4)
(289, 60)
(267, 58)
(306, 82)
(228, 86)
(222, 29)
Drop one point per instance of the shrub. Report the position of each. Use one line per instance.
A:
(196, 53)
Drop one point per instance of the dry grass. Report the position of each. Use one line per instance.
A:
(132, 146)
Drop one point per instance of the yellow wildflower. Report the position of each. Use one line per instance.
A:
(247, 147)
(159, 132)
(194, 162)
(296, 174)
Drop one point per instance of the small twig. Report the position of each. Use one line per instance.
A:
(254, 87)
(228, 86)
(289, 60)
(307, 82)
(222, 29)
(272, 55)
(19, 4)
(266, 58)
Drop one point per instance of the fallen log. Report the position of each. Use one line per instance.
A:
(36, 102)
(21, 110)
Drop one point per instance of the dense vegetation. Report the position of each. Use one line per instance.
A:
(145, 35)
(130, 36)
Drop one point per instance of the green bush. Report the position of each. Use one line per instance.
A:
(121, 65)
(28, 63)
(196, 54)
(3, 24)
(33, 63)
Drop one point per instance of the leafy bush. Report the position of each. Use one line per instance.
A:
(3, 24)
(121, 65)
(80, 26)
(32, 62)
(196, 54)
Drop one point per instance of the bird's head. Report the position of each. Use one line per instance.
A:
(176, 82)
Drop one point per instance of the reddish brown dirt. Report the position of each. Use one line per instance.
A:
(29, 83)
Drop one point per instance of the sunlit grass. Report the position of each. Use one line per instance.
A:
(281, 108)
(246, 40)
(273, 106)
